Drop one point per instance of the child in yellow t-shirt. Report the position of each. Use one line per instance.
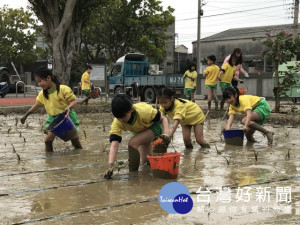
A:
(56, 98)
(183, 112)
(190, 77)
(211, 79)
(144, 121)
(226, 75)
(86, 83)
(256, 109)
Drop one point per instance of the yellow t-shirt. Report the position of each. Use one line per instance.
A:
(246, 102)
(228, 74)
(211, 72)
(188, 82)
(56, 102)
(188, 113)
(143, 119)
(84, 85)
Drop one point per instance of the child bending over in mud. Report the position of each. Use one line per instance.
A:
(256, 109)
(183, 112)
(145, 122)
(56, 98)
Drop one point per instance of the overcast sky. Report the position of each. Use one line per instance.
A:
(254, 13)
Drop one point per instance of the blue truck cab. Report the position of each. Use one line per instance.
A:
(131, 75)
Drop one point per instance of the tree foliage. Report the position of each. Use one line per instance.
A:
(17, 36)
(123, 26)
(280, 48)
(62, 22)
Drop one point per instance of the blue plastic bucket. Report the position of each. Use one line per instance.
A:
(62, 127)
(234, 137)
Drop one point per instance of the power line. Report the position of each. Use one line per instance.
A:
(253, 13)
(221, 14)
(240, 4)
(229, 19)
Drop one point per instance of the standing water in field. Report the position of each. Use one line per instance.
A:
(67, 186)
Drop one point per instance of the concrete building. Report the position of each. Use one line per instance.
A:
(222, 44)
(168, 65)
(181, 56)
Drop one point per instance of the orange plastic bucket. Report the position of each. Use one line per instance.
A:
(165, 165)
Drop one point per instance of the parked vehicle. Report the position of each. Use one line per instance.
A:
(131, 74)
(4, 75)
(3, 89)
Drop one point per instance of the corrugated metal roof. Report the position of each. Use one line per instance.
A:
(249, 32)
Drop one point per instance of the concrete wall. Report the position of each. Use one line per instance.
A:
(250, 49)
(168, 65)
(260, 85)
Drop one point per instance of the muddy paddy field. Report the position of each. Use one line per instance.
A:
(67, 186)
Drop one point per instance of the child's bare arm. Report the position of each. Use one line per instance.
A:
(230, 121)
(112, 157)
(113, 151)
(165, 125)
(30, 111)
(220, 74)
(248, 119)
(175, 125)
(237, 79)
(71, 105)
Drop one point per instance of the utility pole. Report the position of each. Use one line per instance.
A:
(198, 37)
(295, 25)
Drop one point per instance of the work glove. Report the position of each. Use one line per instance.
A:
(23, 119)
(166, 138)
(109, 172)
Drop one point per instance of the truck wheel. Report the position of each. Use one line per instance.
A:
(118, 90)
(4, 76)
(149, 95)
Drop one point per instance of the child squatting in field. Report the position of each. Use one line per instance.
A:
(145, 123)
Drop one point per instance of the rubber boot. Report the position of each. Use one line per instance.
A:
(269, 134)
(86, 100)
(76, 143)
(249, 135)
(209, 106)
(222, 104)
(216, 105)
(49, 146)
(134, 159)
(189, 146)
(206, 145)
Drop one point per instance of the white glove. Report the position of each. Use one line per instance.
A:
(246, 74)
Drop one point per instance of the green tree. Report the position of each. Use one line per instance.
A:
(128, 26)
(62, 23)
(17, 36)
(280, 48)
